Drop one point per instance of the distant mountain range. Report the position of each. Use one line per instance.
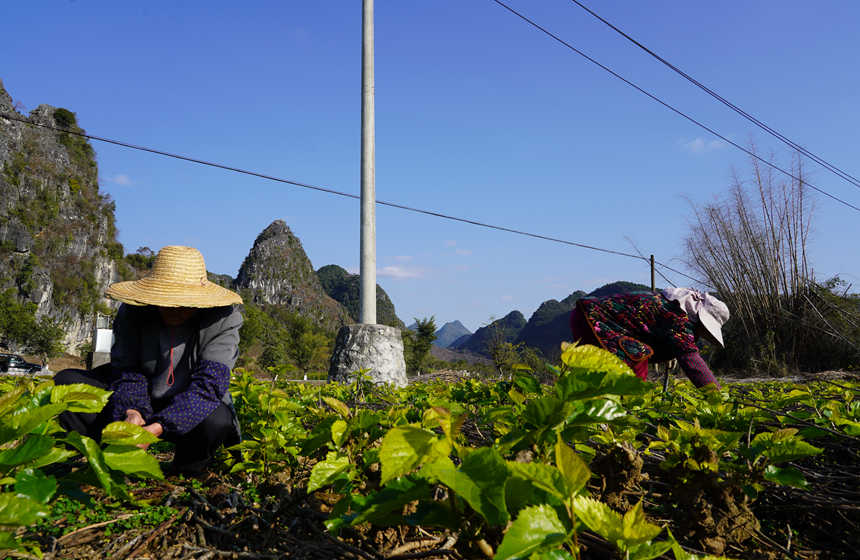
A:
(505, 329)
(450, 332)
(544, 331)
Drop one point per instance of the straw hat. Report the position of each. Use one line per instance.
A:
(711, 312)
(178, 279)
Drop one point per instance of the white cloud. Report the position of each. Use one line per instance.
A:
(399, 272)
(120, 179)
(701, 146)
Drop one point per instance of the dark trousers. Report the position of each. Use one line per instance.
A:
(194, 450)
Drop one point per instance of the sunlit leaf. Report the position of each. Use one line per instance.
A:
(403, 449)
(326, 472)
(125, 433)
(337, 406)
(80, 397)
(546, 477)
(132, 460)
(16, 510)
(338, 432)
(576, 473)
(635, 529)
(536, 528)
(788, 476)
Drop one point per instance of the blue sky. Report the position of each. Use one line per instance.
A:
(478, 115)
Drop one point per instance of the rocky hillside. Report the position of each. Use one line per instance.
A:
(345, 288)
(450, 333)
(277, 271)
(58, 245)
(505, 329)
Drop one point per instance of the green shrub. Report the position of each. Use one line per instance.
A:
(65, 118)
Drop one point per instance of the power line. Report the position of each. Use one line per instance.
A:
(321, 189)
(839, 172)
(676, 271)
(670, 107)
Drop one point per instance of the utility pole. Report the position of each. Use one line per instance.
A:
(368, 346)
(368, 170)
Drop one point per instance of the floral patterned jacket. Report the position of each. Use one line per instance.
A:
(639, 326)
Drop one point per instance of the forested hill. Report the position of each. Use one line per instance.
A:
(345, 288)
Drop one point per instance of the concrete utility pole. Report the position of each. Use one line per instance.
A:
(376, 348)
(368, 171)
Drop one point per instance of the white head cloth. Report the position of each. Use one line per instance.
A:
(708, 310)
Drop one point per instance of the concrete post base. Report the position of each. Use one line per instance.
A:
(378, 348)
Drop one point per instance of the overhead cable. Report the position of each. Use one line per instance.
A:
(321, 189)
(773, 132)
(671, 107)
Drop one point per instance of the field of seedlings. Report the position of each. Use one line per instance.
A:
(597, 465)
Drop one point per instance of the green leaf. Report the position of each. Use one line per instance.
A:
(572, 467)
(319, 436)
(125, 433)
(557, 554)
(30, 448)
(80, 397)
(326, 472)
(403, 449)
(480, 481)
(595, 372)
(599, 517)
(132, 460)
(594, 411)
(788, 476)
(536, 528)
(338, 432)
(545, 477)
(782, 445)
(681, 554)
(850, 427)
(636, 530)
(337, 406)
(8, 541)
(93, 453)
(16, 510)
(545, 412)
(526, 382)
(54, 455)
(385, 506)
(24, 420)
(34, 484)
(647, 551)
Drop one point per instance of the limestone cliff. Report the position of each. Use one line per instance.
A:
(277, 271)
(58, 245)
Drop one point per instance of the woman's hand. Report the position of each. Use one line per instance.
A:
(155, 429)
(134, 417)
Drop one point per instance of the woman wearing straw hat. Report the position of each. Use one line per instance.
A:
(176, 338)
(642, 326)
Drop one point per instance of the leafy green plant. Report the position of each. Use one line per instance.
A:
(31, 442)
